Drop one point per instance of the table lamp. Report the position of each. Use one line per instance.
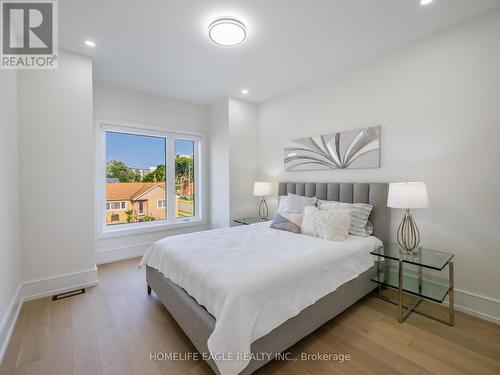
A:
(408, 195)
(263, 189)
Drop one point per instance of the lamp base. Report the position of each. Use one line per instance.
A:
(408, 234)
(263, 210)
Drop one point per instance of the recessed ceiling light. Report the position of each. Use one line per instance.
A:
(244, 91)
(227, 31)
(90, 43)
(425, 2)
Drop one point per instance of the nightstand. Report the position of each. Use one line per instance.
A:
(401, 277)
(249, 220)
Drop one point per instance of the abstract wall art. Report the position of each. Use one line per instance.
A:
(359, 148)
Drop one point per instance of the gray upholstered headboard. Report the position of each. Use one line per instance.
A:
(374, 194)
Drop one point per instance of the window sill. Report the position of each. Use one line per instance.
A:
(150, 227)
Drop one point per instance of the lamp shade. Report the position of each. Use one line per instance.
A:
(408, 195)
(262, 189)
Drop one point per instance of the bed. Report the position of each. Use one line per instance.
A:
(260, 308)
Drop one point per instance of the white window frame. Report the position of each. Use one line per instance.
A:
(117, 209)
(172, 222)
(162, 206)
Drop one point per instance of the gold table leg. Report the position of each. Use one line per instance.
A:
(405, 310)
(400, 292)
(451, 293)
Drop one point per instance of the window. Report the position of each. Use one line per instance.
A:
(184, 178)
(147, 178)
(116, 206)
(135, 173)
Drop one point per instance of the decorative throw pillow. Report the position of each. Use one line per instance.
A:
(288, 222)
(332, 224)
(360, 212)
(295, 203)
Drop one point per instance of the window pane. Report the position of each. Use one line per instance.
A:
(184, 178)
(136, 175)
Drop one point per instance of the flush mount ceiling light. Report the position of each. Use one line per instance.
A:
(90, 43)
(227, 31)
(244, 91)
(425, 2)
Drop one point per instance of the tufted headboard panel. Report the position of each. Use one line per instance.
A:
(371, 193)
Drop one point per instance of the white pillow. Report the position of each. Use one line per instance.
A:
(360, 212)
(332, 224)
(294, 204)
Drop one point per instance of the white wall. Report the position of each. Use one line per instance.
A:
(10, 260)
(438, 103)
(56, 171)
(123, 105)
(243, 158)
(233, 161)
(219, 164)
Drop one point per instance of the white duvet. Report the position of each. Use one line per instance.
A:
(252, 279)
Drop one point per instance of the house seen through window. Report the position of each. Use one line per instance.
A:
(137, 181)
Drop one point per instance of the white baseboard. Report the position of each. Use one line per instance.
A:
(41, 288)
(9, 321)
(59, 284)
(481, 307)
(121, 253)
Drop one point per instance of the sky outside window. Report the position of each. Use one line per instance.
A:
(141, 151)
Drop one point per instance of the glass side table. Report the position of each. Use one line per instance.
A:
(249, 220)
(415, 283)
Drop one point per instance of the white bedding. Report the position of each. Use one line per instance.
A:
(253, 278)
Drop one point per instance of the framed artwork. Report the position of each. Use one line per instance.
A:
(358, 148)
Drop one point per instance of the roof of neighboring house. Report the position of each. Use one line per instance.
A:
(129, 190)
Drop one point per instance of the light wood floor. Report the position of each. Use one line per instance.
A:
(113, 328)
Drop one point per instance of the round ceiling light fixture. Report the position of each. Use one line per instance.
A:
(227, 31)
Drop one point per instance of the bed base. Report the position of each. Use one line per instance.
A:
(198, 324)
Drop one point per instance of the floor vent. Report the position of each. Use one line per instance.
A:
(68, 294)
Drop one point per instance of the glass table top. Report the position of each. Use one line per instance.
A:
(421, 257)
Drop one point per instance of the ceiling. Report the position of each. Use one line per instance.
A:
(162, 47)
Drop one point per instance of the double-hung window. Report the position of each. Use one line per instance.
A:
(148, 179)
